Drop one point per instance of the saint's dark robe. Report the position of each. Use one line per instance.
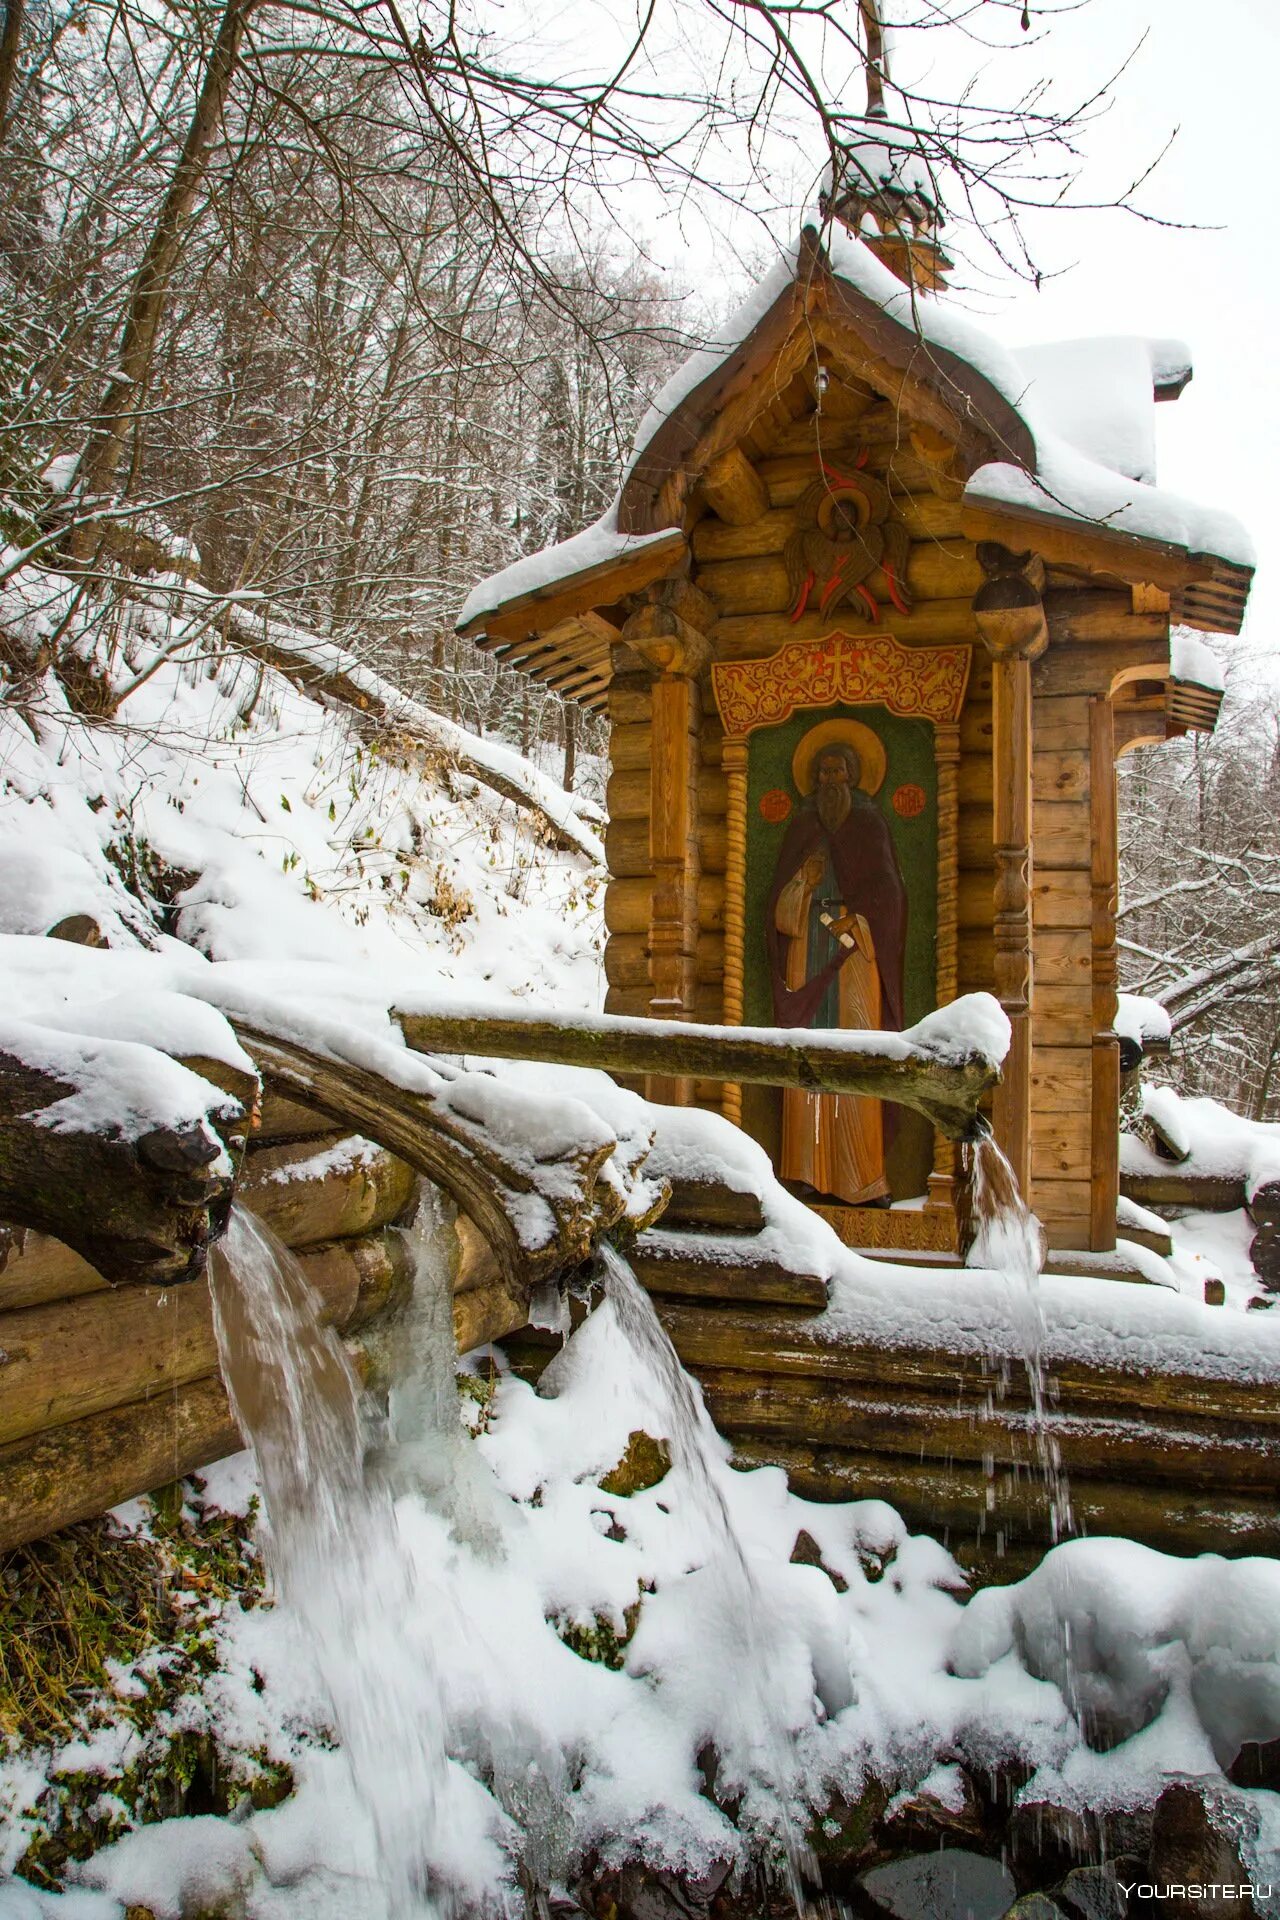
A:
(864, 861)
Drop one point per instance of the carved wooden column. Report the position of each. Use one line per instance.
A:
(946, 751)
(734, 762)
(1104, 1153)
(1011, 619)
(664, 634)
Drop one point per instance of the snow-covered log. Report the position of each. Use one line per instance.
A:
(122, 1153)
(942, 1067)
(540, 1214)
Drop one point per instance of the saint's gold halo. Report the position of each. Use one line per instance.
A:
(840, 733)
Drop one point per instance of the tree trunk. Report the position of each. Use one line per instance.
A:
(139, 1210)
(151, 286)
(10, 47)
(570, 744)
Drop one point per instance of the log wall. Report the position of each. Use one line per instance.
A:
(1184, 1462)
(106, 1392)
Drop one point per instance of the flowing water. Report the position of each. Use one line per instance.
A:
(332, 1545)
(694, 1451)
(1009, 1239)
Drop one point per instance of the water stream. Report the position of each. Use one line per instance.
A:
(694, 1447)
(330, 1480)
(1009, 1239)
(332, 1546)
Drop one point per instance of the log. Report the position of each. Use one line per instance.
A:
(885, 1419)
(138, 1202)
(947, 1094)
(312, 1203)
(330, 1189)
(763, 1342)
(626, 959)
(71, 1358)
(1197, 1192)
(628, 847)
(488, 1178)
(628, 904)
(760, 584)
(734, 489)
(924, 516)
(752, 636)
(58, 1475)
(689, 1266)
(963, 1507)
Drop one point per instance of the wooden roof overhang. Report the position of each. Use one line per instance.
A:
(562, 631)
(1205, 591)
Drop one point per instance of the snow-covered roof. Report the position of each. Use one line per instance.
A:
(1067, 429)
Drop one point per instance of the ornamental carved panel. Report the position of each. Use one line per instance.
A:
(925, 683)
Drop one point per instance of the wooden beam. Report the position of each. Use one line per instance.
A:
(1011, 828)
(734, 489)
(598, 585)
(871, 1064)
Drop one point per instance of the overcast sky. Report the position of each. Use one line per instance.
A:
(1208, 71)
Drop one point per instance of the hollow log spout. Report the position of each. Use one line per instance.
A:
(139, 1194)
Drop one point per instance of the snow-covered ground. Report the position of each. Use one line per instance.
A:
(598, 1655)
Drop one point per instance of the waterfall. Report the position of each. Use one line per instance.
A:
(1009, 1239)
(694, 1450)
(333, 1548)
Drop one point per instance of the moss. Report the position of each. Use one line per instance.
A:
(103, 1632)
(598, 1640)
(645, 1462)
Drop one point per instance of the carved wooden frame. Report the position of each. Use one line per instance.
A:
(927, 683)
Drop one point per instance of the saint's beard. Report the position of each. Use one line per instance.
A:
(835, 804)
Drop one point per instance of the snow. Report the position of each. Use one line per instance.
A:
(1194, 660)
(1141, 1020)
(595, 546)
(1210, 1138)
(1069, 485)
(899, 1675)
(1096, 394)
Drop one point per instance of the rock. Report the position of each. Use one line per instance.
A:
(645, 1462)
(807, 1553)
(844, 1830)
(1188, 1849)
(1046, 1841)
(930, 1814)
(1257, 1765)
(1091, 1893)
(1034, 1906)
(1264, 1252)
(951, 1884)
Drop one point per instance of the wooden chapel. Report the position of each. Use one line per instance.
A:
(861, 546)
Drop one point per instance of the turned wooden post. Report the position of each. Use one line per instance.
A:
(1010, 616)
(1104, 1154)
(668, 634)
(734, 761)
(946, 749)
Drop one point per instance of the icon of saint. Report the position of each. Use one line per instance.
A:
(835, 931)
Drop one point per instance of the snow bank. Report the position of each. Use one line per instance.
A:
(1125, 1633)
(1208, 1138)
